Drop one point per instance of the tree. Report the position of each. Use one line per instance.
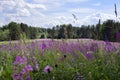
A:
(70, 31)
(109, 30)
(25, 29)
(14, 30)
(33, 32)
(4, 35)
(62, 33)
(98, 29)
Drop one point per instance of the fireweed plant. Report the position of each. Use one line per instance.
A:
(60, 60)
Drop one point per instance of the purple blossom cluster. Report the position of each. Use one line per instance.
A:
(20, 60)
(64, 47)
(22, 68)
(24, 73)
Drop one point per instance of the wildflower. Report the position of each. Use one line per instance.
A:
(48, 69)
(28, 68)
(23, 60)
(16, 76)
(89, 55)
(4, 47)
(15, 68)
(37, 66)
(20, 60)
(44, 46)
(23, 71)
(28, 78)
(17, 59)
(21, 75)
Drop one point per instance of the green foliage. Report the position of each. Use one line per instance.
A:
(4, 35)
(101, 31)
(33, 33)
(14, 29)
(6, 66)
(42, 36)
(25, 30)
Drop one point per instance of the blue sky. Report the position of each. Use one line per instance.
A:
(48, 13)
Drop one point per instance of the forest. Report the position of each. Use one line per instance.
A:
(108, 30)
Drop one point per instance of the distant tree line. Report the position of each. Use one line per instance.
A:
(15, 31)
(107, 31)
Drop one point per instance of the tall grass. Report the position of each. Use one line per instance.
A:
(60, 60)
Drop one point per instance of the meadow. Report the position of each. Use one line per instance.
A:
(49, 59)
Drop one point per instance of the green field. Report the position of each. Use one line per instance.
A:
(46, 59)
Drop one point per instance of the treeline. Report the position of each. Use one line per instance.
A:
(108, 30)
(15, 31)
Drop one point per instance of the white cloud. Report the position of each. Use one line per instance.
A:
(58, 4)
(64, 19)
(20, 3)
(77, 0)
(37, 13)
(94, 18)
(12, 17)
(51, 5)
(65, 1)
(36, 6)
(82, 10)
(17, 10)
(9, 3)
(1, 24)
(90, 19)
(46, 1)
(61, 17)
(23, 12)
(48, 21)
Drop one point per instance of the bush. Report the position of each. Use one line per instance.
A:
(4, 35)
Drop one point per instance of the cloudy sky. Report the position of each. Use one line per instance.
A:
(47, 13)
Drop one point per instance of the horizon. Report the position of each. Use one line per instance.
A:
(46, 14)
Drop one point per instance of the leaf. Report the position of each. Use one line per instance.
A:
(1, 70)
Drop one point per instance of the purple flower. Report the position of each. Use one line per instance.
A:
(20, 60)
(4, 47)
(28, 68)
(17, 59)
(48, 69)
(23, 60)
(23, 71)
(37, 66)
(16, 47)
(16, 76)
(28, 78)
(89, 55)
(43, 45)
